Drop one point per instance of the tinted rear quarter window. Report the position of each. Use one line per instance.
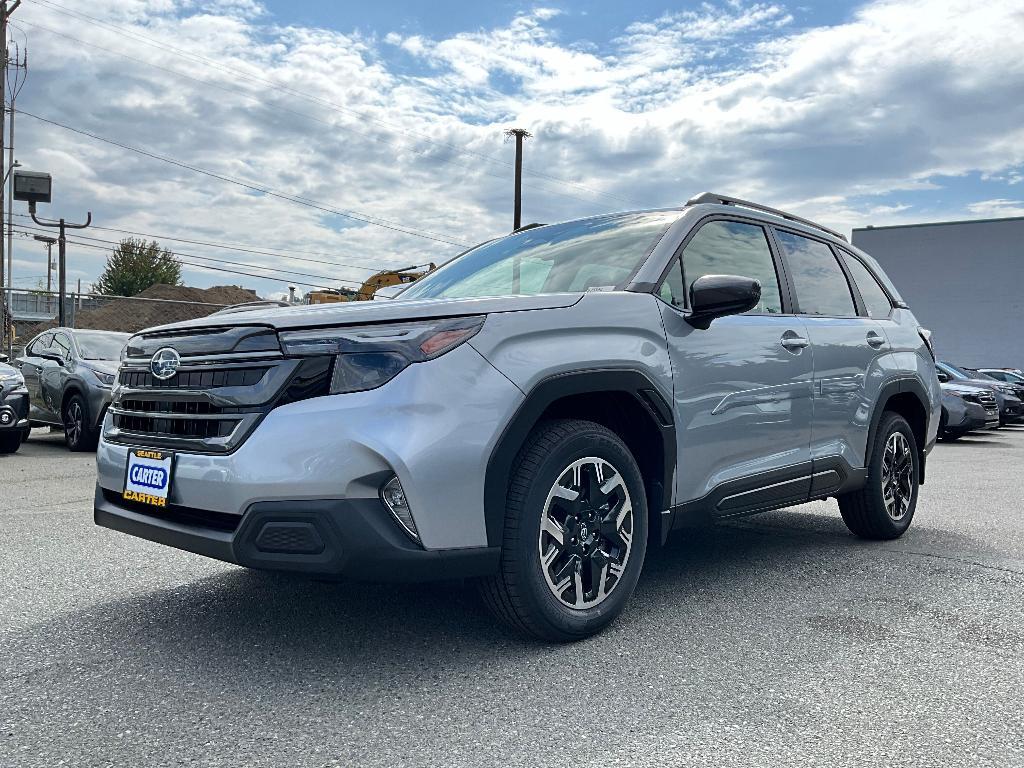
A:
(875, 298)
(820, 283)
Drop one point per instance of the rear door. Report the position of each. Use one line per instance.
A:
(742, 386)
(848, 348)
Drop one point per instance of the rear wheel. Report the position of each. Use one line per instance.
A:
(884, 507)
(10, 441)
(78, 434)
(575, 533)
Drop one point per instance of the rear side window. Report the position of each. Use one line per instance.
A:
(874, 296)
(734, 248)
(40, 345)
(820, 283)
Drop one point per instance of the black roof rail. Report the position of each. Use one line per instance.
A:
(711, 197)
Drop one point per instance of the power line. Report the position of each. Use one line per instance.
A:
(346, 213)
(235, 247)
(132, 33)
(32, 230)
(210, 267)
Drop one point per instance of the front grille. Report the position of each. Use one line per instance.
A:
(216, 398)
(181, 429)
(207, 378)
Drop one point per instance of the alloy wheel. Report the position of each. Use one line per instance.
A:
(74, 424)
(586, 533)
(897, 476)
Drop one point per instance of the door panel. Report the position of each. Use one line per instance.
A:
(742, 401)
(848, 374)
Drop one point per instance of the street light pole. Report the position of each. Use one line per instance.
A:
(517, 207)
(61, 253)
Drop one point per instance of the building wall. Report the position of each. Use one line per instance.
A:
(963, 280)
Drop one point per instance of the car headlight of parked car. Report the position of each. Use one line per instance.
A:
(105, 379)
(1006, 390)
(368, 356)
(11, 379)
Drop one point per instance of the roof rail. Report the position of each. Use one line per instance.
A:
(711, 197)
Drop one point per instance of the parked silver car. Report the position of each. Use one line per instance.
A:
(13, 407)
(536, 412)
(69, 375)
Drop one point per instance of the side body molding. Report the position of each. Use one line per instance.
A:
(631, 383)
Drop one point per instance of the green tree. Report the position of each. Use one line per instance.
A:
(135, 265)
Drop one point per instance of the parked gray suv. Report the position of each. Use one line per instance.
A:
(535, 413)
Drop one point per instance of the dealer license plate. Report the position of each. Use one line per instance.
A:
(147, 479)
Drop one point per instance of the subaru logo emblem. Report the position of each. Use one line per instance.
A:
(165, 363)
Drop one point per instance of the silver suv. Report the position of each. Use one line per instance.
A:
(536, 413)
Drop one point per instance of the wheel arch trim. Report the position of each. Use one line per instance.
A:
(899, 386)
(566, 385)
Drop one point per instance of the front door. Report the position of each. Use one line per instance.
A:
(743, 386)
(31, 365)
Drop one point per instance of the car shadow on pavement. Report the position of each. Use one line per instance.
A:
(250, 622)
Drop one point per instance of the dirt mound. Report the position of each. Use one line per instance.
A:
(157, 305)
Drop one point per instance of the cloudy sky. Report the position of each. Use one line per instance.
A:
(312, 142)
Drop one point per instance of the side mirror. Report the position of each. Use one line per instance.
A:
(943, 378)
(4, 358)
(714, 296)
(52, 358)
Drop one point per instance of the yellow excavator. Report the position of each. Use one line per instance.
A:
(366, 291)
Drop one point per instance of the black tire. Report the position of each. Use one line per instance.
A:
(10, 442)
(520, 594)
(865, 512)
(79, 435)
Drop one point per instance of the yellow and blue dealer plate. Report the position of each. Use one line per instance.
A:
(147, 478)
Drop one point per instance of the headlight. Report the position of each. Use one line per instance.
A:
(367, 356)
(12, 378)
(1006, 390)
(106, 379)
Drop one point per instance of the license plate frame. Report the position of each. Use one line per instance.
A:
(153, 487)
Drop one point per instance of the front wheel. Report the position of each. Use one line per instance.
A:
(575, 533)
(10, 442)
(78, 434)
(884, 507)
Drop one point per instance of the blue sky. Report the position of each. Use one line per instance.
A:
(387, 120)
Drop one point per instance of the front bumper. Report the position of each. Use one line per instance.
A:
(352, 538)
(14, 410)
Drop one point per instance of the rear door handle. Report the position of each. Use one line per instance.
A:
(875, 340)
(793, 343)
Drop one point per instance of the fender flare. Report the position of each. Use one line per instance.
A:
(898, 386)
(557, 387)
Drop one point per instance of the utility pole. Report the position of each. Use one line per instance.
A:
(48, 242)
(6, 9)
(19, 67)
(519, 134)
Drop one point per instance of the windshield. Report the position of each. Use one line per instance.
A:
(96, 345)
(955, 372)
(575, 256)
(979, 375)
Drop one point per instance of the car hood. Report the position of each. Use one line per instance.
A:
(359, 312)
(964, 388)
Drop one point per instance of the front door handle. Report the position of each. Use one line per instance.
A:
(794, 342)
(874, 340)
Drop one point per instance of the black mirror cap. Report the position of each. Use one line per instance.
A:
(4, 358)
(714, 296)
(943, 378)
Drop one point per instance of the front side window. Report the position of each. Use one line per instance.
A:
(672, 291)
(61, 345)
(820, 283)
(40, 345)
(875, 298)
(575, 256)
(734, 248)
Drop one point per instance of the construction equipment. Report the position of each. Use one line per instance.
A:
(375, 282)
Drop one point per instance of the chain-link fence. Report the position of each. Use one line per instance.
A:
(26, 313)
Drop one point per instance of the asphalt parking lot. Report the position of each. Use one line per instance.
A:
(776, 640)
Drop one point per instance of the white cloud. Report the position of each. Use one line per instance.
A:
(732, 97)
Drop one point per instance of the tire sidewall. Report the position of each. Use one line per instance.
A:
(562, 619)
(894, 423)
